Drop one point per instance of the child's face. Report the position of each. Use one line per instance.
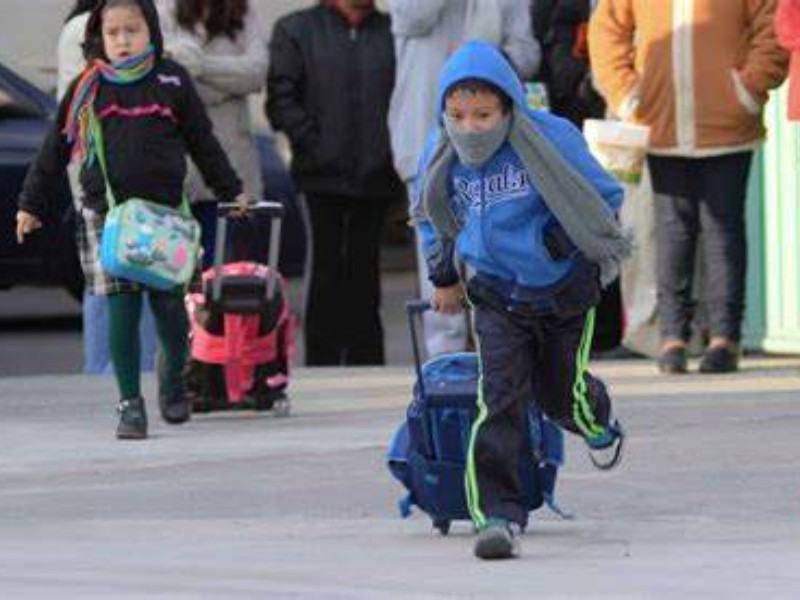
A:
(474, 112)
(125, 32)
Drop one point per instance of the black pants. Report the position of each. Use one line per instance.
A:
(693, 197)
(524, 356)
(342, 320)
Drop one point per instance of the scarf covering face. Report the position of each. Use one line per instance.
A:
(576, 205)
(476, 147)
(79, 112)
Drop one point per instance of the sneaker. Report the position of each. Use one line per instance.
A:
(673, 361)
(132, 419)
(498, 539)
(720, 359)
(607, 454)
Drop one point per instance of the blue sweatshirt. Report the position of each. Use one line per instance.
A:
(504, 221)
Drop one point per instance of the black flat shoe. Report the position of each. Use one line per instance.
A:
(132, 419)
(673, 361)
(720, 359)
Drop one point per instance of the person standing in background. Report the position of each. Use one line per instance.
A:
(222, 45)
(426, 33)
(96, 351)
(698, 73)
(562, 27)
(330, 79)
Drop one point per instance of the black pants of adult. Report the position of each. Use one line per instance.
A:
(524, 356)
(701, 198)
(342, 316)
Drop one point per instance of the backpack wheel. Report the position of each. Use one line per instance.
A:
(442, 526)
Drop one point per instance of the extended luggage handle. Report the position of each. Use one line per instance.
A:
(275, 211)
(414, 308)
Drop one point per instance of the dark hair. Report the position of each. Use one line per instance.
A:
(81, 7)
(474, 85)
(222, 17)
(93, 44)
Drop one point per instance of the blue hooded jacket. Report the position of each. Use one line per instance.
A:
(504, 221)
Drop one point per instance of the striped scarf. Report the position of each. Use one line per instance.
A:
(80, 110)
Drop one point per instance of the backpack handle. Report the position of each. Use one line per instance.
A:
(414, 308)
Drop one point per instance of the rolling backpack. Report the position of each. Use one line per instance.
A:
(427, 453)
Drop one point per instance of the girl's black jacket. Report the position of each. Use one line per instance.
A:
(148, 128)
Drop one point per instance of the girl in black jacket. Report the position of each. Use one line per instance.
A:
(151, 117)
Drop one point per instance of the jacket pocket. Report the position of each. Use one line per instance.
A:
(746, 100)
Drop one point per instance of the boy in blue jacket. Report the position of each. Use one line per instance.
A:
(518, 196)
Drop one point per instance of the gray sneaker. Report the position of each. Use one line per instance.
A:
(498, 539)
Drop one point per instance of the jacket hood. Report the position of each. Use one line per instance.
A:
(93, 46)
(481, 60)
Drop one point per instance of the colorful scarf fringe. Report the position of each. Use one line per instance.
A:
(80, 110)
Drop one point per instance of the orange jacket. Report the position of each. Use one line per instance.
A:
(696, 71)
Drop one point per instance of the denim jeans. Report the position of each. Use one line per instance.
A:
(701, 199)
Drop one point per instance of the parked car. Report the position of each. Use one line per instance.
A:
(49, 257)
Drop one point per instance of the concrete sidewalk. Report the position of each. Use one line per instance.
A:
(706, 504)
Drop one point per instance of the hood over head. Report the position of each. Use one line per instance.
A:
(480, 60)
(93, 44)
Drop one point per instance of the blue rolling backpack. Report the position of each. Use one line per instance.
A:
(427, 453)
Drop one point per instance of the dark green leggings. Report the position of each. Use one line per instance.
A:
(172, 323)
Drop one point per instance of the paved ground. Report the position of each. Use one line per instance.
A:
(243, 505)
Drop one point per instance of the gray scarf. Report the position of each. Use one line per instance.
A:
(475, 148)
(576, 205)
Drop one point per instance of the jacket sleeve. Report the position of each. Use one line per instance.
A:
(45, 173)
(519, 43)
(204, 147)
(767, 63)
(439, 252)
(286, 87)
(415, 18)
(611, 51)
(69, 55)
(243, 74)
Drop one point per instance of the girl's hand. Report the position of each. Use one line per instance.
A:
(242, 203)
(448, 300)
(26, 223)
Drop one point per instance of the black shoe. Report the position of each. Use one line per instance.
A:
(673, 361)
(498, 539)
(175, 407)
(719, 359)
(132, 419)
